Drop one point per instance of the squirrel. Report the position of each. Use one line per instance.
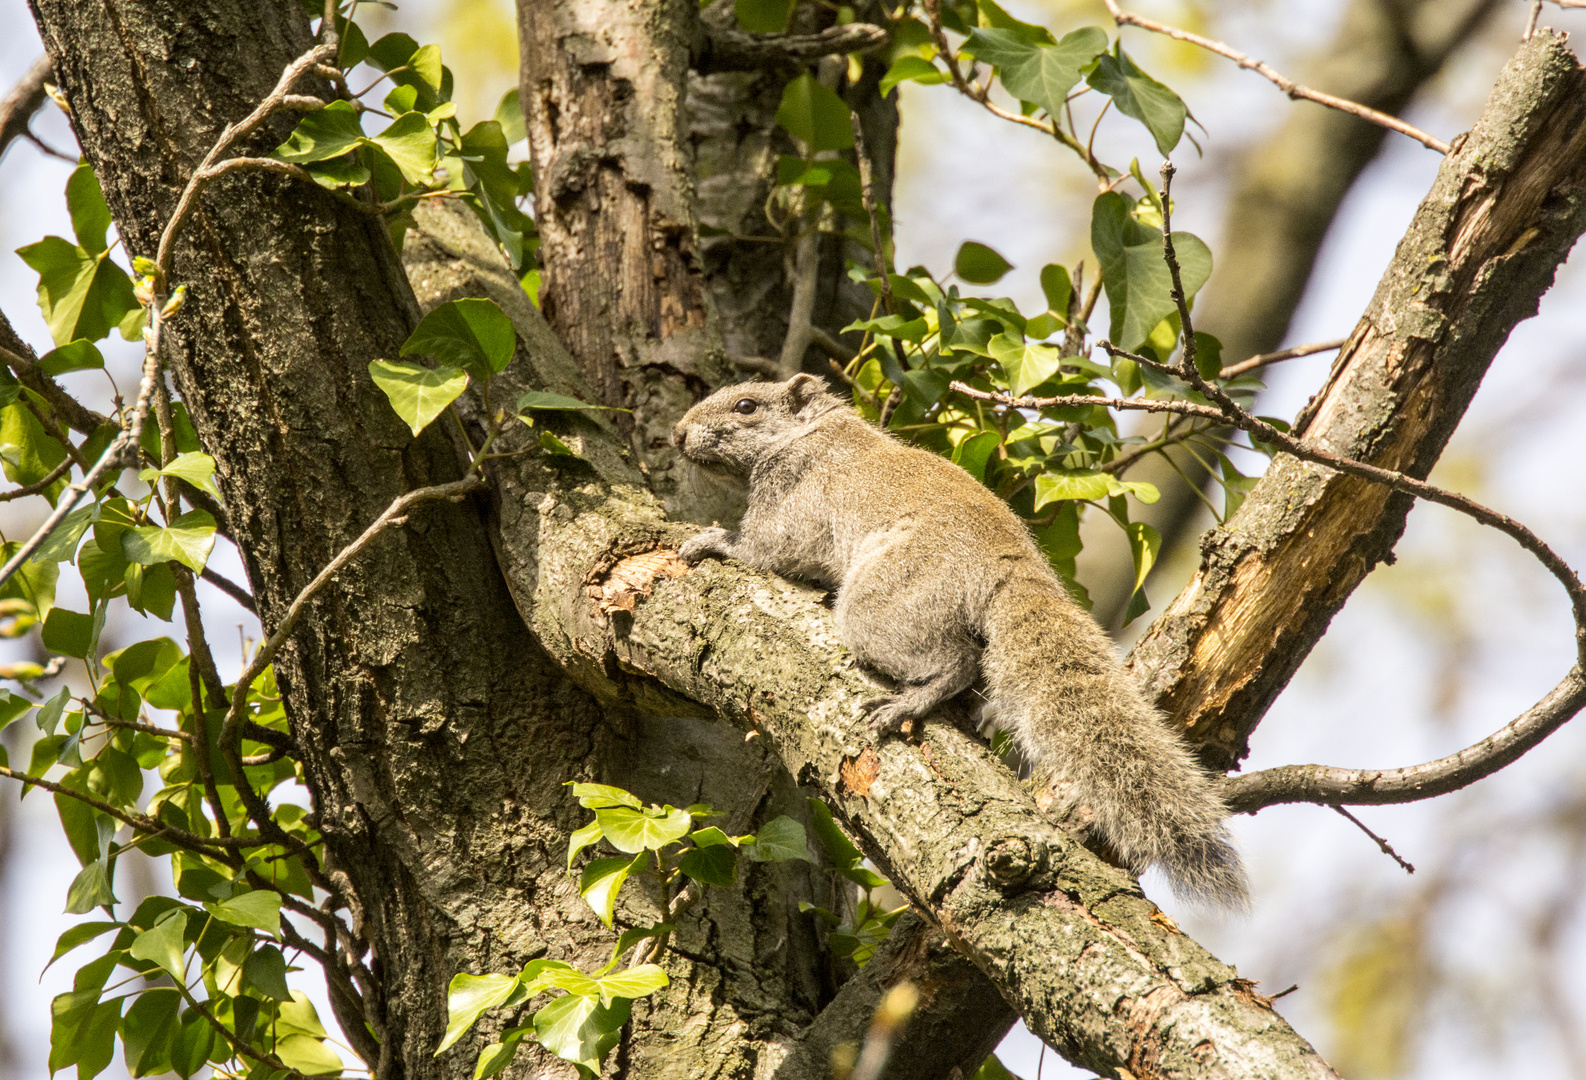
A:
(937, 582)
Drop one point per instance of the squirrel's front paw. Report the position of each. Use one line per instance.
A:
(712, 541)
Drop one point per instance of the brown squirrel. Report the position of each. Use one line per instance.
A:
(936, 581)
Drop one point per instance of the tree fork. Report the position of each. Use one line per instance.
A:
(1507, 206)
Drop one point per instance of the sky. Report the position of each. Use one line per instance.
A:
(1430, 655)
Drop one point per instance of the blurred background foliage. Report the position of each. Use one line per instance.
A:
(1463, 969)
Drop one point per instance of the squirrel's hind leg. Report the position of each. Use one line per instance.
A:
(931, 663)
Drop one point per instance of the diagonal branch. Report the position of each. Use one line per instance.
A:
(21, 102)
(1281, 81)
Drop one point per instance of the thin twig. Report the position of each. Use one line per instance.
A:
(207, 169)
(1283, 82)
(22, 101)
(41, 485)
(1261, 360)
(1387, 848)
(230, 588)
(232, 728)
(206, 845)
(1530, 20)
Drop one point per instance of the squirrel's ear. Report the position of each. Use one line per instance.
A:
(803, 389)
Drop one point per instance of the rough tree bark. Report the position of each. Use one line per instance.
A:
(437, 723)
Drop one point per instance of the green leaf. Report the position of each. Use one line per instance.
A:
(1139, 95)
(993, 16)
(710, 836)
(259, 910)
(545, 401)
(979, 265)
(763, 16)
(498, 1055)
(992, 1069)
(635, 982)
(162, 944)
(418, 394)
(81, 295)
(308, 1055)
(1057, 287)
(1056, 486)
(911, 68)
(839, 849)
(339, 172)
(1144, 543)
(710, 865)
(1137, 281)
(62, 544)
(973, 454)
(579, 1029)
(79, 935)
(298, 1016)
(815, 116)
(197, 469)
(633, 831)
(410, 142)
(468, 997)
(27, 452)
(86, 203)
(602, 879)
(779, 840)
(1026, 365)
(139, 666)
(632, 936)
(471, 334)
(149, 1029)
(581, 839)
(192, 1046)
(509, 114)
(265, 971)
(595, 796)
(323, 134)
(187, 540)
(1208, 354)
(1038, 73)
(68, 633)
(79, 355)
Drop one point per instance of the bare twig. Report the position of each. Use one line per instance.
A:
(831, 346)
(207, 845)
(230, 588)
(40, 485)
(22, 101)
(1387, 848)
(1530, 20)
(1283, 82)
(208, 169)
(1261, 360)
(232, 728)
(20, 359)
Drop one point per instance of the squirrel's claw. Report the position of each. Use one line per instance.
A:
(888, 715)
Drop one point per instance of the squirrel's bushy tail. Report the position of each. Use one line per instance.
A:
(1081, 720)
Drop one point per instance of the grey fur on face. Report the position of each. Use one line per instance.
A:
(937, 582)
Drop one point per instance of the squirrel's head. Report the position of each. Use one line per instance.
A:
(737, 426)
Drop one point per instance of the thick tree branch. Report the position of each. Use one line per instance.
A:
(1507, 206)
(722, 49)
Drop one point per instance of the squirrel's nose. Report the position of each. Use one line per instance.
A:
(679, 435)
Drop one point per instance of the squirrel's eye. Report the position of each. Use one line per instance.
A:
(746, 406)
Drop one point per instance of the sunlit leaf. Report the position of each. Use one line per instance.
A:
(815, 116)
(187, 540)
(468, 998)
(418, 394)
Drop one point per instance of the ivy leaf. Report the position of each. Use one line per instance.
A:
(579, 1029)
(1057, 486)
(979, 265)
(1038, 73)
(635, 982)
(187, 540)
(595, 796)
(86, 203)
(79, 935)
(601, 880)
(1139, 95)
(469, 997)
(196, 468)
(1134, 274)
(815, 116)
(1144, 543)
(322, 134)
(498, 1055)
(911, 68)
(79, 355)
(265, 971)
(410, 143)
(471, 334)
(68, 633)
(710, 865)
(634, 831)
(27, 452)
(162, 943)
(509, 114)
(581, 839)
(90, 888)
(308, 1055)
(1057, 288)
(763, 16)
(149, 1029)
(81, 295)
(544, 400)
(780, 840)
(418, 394)
(1026, 365)
(257, 910)
(838, 847)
